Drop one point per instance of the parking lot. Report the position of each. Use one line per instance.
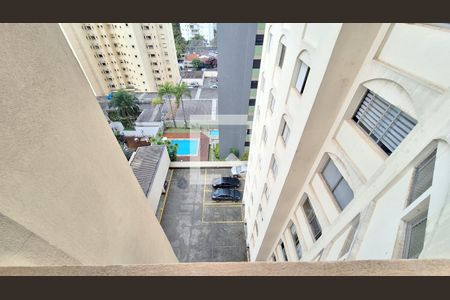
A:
(198, 228)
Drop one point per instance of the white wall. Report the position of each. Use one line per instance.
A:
(385, 62)
(158, 182)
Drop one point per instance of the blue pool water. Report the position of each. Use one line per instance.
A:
(214, 132)
(186, 147)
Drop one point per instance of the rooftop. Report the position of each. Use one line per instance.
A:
(195, 107)
(145, 165)
(150, 114)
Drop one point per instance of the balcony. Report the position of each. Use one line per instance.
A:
(347, 268)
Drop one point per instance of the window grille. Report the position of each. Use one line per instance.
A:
(423, 177)
(385, 123)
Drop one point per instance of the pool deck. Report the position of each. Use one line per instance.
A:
(203, 147)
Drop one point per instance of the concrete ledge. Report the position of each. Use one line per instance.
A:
(205, 164)
(352, 268)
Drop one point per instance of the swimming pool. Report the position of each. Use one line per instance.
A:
(186, 147)
(214, 132)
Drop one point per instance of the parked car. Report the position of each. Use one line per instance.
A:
(239, 171)
(213, 86)
(226, 182)
(226, 194)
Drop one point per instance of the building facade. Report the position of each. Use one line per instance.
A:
(124, 55)
(349, 155)
(240, 49)
(206, 30)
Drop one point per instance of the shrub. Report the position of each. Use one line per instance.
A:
(235, 151)
(216, 151)
(245, 155)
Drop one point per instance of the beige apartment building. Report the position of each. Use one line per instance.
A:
(349, 157)
(124, 55)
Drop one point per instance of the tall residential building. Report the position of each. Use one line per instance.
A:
(349, 156)
(240, 48)
(189, 30)
(124, 55)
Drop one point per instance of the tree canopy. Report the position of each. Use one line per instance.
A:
(180, 42)
(125, 104)
(197, 63)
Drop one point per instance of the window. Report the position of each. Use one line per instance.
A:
(283, 251)
(423, 177)
(251, 102)
(249, 131)
(260, 214)
(302, 76)
(282, 53)
(254, 84)
(259, 39)
(285, 131)
(415, 236)
(350, 237)
(266, 192)
(274, 166)
(256, 63)
(337, 184)
(258, 112)
(298, 247)
(272, 102)
(264, 134)
(312, 219)
(386, 124)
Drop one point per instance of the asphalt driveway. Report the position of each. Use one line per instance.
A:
(199, 229)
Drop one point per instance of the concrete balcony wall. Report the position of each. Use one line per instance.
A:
(354, 268)
(65, 186)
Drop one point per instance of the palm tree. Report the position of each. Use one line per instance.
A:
(180, 90)
(158, 101)
(167, 90)
(125, 105)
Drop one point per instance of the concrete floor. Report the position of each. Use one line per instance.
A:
(199, 229)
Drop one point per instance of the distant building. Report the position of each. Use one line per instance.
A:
(206, 30)
(121, 55)
(239, 47)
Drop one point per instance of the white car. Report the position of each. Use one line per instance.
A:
(239, 171)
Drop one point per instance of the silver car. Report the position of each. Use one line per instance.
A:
(239, 171)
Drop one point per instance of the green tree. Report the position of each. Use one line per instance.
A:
(126, 107)
(180, 90)
(235, 151)
(180, 42)
(197, 63)
(171, 148)
(166, 91)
